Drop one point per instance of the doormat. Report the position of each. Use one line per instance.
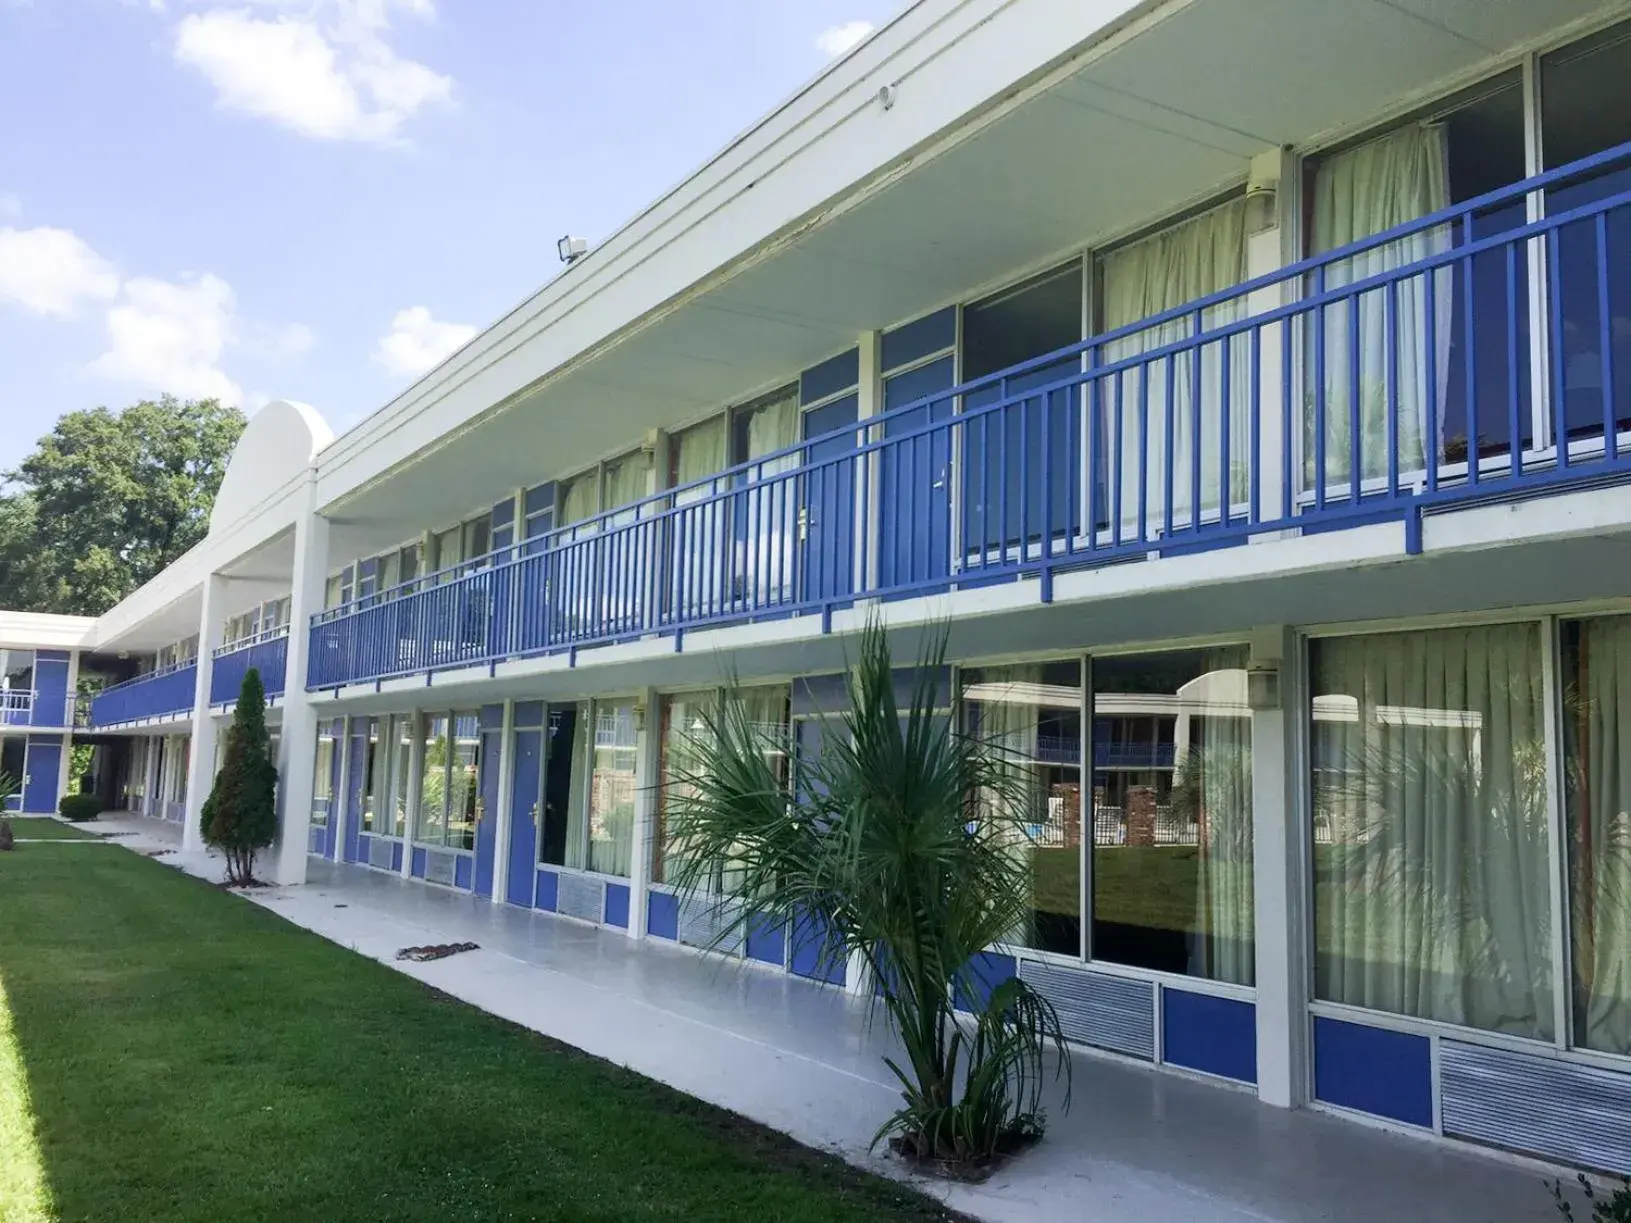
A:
(437, 951)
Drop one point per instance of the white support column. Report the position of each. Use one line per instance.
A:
(65, 765)
(868, 501)
(416, 780)
(1278, 867)
(1268, 250)
(339, 801)
(506, 792)
(297, 744)
(647, 762)
(152, 803)
(201, 760)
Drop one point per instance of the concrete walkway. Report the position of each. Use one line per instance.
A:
(1138, 1144)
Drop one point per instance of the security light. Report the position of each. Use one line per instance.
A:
(570, 248)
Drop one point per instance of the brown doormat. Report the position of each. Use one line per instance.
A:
(437, 951)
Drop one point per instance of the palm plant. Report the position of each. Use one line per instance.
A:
(904, 841)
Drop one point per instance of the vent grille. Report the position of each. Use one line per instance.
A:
(379, 853)
(1095, 1009)
(701, 921)
(581, 897)
(1568, 1112)
(439, 866)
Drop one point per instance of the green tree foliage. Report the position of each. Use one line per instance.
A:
(108, 499)
(873, 841)
(240, 815)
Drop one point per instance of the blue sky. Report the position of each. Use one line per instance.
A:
(318, 199)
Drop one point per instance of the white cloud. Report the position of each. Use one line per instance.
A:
(416, 342)
(168, 336)
(278, 343)
(52, 271)
(320, 67)
(836, 40)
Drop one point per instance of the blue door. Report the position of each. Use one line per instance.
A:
(827, 505)
(520, 876)
(44, 761)
(914, 537)
(487, 811)
(1004, 455)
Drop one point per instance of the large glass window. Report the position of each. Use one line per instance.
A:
(401, 772)
(448, 791)
(376, 781)
(322, 791)
(564, 768)
(1596, 684)
(1031, 715)
(1431, 889)
(1172, 814)
(430, 822)
(611, 790)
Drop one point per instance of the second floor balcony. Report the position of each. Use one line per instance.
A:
(156, 696)
(267, 653)
(1480, 352)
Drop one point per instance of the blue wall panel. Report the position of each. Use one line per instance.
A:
(1209, 1034)
(396, 856)
(813, 956)
(1373, 1070)
(662, 915)
(988, 970)
(548, 884)
(461, 871)
(767, 944)
(418, 870)
(43, 762)
(617, 905)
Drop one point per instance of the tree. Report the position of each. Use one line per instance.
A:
(108, 499)
(240, 815)
(905, 840)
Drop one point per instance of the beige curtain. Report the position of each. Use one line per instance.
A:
(1367, 190)
(612, 789)
(1598, 734)
(698, 550)
(765, 547)
(1191, 260)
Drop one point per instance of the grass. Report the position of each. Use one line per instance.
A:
(46, 829)
(1155, 886)
(169, 1051)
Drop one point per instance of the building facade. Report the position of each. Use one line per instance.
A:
(1240, 381)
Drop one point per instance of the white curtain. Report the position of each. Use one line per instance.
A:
(1431, 893)
(1598, 716)
(627, 559)
(766, 544)
(1191, 260)
(612, 790)
(577, 800)
(1213, 765)
(698, 536)
(1383, 183)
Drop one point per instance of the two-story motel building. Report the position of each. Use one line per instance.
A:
(1248, 385)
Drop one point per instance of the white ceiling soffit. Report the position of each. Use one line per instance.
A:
(1157, 121)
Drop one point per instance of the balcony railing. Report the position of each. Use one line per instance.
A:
(158, 694)
(268, 653)
(17, 706)
(1466, 355)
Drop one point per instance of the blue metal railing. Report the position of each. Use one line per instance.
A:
(1381, 380)
(157, 694)
(268, 653)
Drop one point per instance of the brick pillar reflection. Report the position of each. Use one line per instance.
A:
(1069, 798)
(1140, 815)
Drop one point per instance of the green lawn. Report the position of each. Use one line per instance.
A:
(171, 1051)
(41, 828)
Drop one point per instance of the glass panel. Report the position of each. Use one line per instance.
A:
(1172, 814)
(463, 790)
(377, 786)
(445, 549)
(1431, 895)
(1032, 715)
(765, 520)
(1585, 93)
(402, 775)
(1597, 772)
(562, 824)
(612, 789)
(581, 499)
(627, 480)
(681, 724)
(431, 826)
(322, 790)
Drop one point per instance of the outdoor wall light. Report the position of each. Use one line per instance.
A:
(1263, 686)
(571, 249)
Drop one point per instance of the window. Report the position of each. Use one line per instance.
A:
(17, 671)
(766, 519)
(767, 710)
(322, 795)
(430, 822)
(564, 766)
(1596, 682)
(697, 585)
(1585, 99)
(1030, 714)
(1466, 146)
(1172, 814)
(1431, 874)
(611, 789)
(376, 779)
(401, 773)
(444, 551)
(538, 507)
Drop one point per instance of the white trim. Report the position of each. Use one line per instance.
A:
(506, 794)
